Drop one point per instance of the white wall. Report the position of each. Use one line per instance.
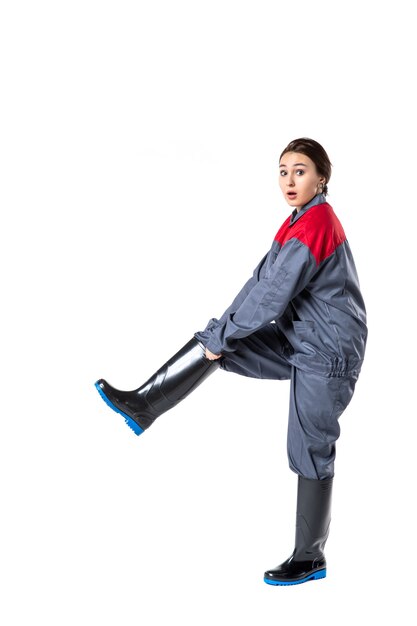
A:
(139, 187)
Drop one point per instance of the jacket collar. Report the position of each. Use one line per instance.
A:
(320, 198)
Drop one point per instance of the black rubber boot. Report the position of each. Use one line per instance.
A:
(170, 384)
(307, 562)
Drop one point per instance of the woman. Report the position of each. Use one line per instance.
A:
(300, 316)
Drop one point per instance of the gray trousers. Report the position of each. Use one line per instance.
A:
(316, 402)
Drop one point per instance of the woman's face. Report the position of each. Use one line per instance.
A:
(298, 179)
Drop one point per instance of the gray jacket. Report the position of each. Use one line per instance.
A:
(308, 286)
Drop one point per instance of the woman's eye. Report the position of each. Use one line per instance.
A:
(283, 173)
(299, 172)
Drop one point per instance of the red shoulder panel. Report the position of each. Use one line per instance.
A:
(319, 229)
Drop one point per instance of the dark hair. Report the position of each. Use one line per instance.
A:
(316, 153)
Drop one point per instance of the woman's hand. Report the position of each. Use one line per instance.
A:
(212, 357)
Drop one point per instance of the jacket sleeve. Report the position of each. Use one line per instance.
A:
(215, 323)
(265, 299)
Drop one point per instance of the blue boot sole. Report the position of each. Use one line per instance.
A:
(131, 423)
(315, 576)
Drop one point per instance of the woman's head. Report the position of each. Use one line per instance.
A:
(305, 170)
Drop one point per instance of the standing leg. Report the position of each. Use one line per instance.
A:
(315, 407)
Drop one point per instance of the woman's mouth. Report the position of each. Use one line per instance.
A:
(291, 194)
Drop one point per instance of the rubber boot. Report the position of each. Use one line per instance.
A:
(307, 562)
(170, 384)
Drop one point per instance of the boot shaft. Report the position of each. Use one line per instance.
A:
(313, 517)
(183, 373)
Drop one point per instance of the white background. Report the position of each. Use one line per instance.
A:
(139, 187)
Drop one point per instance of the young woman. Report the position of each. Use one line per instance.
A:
(301, 317)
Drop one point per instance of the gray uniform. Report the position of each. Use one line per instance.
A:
(301, 316)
